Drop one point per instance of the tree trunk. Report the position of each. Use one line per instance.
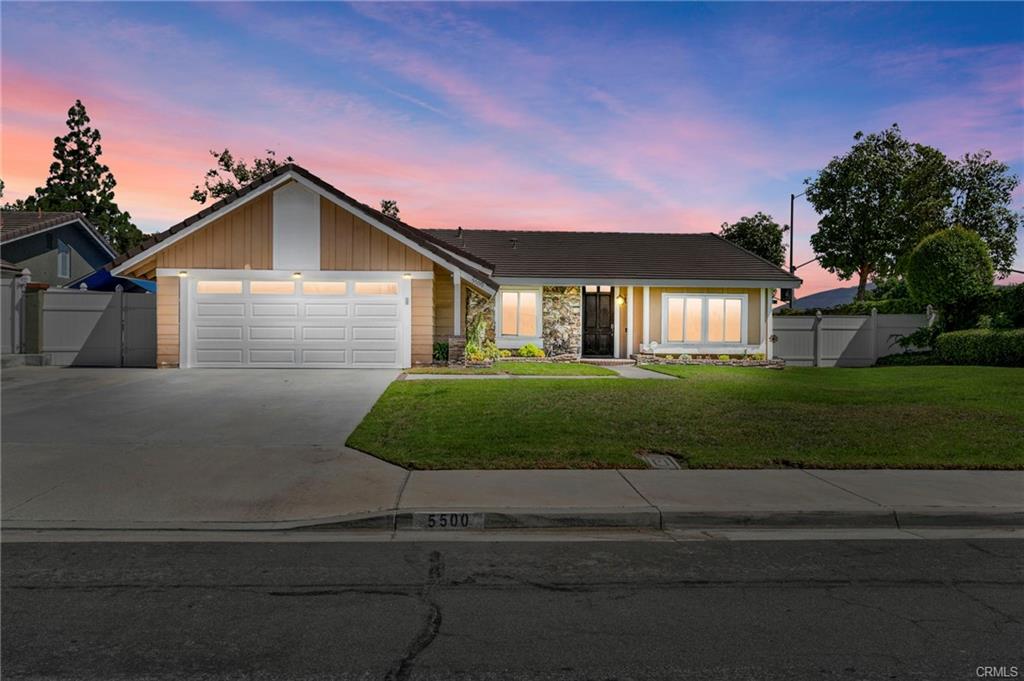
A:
(862, 285)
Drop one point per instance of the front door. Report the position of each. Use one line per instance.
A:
(598, 321)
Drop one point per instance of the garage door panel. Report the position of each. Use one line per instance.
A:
(385, 310)
(218, 333)
(271, 356)
(220, 310)
(229, 356)
(275, 310)
(374, 333)
(252, 326)
(336, 357)
(271, 333)
(326, 309)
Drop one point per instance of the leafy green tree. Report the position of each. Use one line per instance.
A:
(389, 207)
(759, 234)
(229, 175)
(79, 182)
(875, 201)
(981, 202)
(951, 270)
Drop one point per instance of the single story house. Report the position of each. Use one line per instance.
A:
(292, 272)
(56, 248)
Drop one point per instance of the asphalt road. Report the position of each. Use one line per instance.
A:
(712, 610)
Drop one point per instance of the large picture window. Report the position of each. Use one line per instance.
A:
(702, 319)
(519, 311)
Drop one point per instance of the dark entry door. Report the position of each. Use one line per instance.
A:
(598, 309)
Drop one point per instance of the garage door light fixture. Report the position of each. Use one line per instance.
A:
(296, 275)
(407, 275)
(183, 273)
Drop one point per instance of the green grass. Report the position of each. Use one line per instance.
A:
(522, 369)
(714, 417)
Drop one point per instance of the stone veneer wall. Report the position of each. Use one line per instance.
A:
(477, 304)
(561, 312)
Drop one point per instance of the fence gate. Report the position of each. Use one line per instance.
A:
(99, 329)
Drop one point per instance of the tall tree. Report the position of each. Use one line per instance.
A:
(79, 182)
(389, 207)
(229, 175)
(981, 202)
(759, 234)
(874, 202)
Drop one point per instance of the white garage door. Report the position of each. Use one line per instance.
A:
(287, 322)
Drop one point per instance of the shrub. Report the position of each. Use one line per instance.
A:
(670, 357)
(685, 356)
(949, 267)
(757, 356)
(504, 353)
(530, 350)
(441, 351)
(981, 346)
(724, 358)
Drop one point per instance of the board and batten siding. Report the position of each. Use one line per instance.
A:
(754, 302)
(241, 239)
(167, 321)
(349, 243)
(422, 321)
(444, 304)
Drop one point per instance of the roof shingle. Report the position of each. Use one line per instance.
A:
(614, 255)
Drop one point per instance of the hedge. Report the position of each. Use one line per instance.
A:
(981, 346)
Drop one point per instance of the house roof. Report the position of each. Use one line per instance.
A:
(15, 224)
(452, 255)
(8, 266)
(614, 255)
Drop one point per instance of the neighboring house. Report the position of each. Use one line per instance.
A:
(55, 247)
(291, 272)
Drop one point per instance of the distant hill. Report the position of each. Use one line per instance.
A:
(826, 299)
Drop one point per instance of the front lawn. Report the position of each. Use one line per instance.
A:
(522, 369)
(714, 417)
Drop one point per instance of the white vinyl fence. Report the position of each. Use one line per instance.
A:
(12, 301)
(842, 340)
(99, 329)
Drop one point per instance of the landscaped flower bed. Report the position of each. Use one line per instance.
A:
(712, 361)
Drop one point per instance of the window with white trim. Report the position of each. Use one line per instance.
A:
(63, 260)
(703, 319)
(519, 313)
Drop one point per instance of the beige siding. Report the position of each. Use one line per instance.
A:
(754, 304)
(444, 303)
(167, 327)
(422, 321)
(239, 239)
(348, 243)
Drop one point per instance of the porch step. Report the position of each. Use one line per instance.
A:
(607, 361)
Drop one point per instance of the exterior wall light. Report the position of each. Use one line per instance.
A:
(407, 275)
(296, 275)
(619, 300)
(183, 273)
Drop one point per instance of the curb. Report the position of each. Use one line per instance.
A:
(640, 518)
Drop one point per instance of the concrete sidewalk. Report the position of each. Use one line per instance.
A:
(646, 499)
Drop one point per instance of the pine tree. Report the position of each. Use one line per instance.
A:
(79, 182)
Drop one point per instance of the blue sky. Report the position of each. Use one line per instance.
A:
(646, 117)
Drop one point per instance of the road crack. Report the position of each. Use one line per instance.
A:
(431, 625)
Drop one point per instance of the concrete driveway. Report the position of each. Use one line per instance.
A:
(142, 447)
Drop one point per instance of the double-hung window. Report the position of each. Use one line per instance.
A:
(63, 260)
(519, 313)
(703, 319)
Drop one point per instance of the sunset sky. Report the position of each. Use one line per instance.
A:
(649, 117)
